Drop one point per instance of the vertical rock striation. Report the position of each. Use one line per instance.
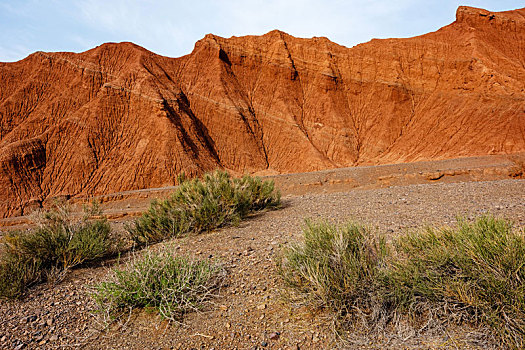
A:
(119, 117)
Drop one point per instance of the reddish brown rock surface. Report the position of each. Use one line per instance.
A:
(119, 117)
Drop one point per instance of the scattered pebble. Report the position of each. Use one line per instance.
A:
(62, 313)
(274, 335)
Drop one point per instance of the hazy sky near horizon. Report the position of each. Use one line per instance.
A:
(171, 28)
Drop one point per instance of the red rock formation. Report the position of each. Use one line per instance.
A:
(119, 117)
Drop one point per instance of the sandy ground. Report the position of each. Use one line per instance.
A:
(249, 308)
(129, 204)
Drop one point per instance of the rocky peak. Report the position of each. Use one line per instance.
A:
(480, 18)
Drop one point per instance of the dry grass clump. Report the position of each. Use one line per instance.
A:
(204, 204)
(334, 267)
(170, 284)
(473, 273)
(59, 243)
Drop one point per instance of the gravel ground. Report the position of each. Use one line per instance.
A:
(249, 309)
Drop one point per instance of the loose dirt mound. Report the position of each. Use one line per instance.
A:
(119, 117)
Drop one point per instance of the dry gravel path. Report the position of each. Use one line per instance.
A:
(249, 307)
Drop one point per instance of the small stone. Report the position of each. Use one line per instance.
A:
(3, 339)
(53, 338)
(49, 322)
(228, 325)
(261, 307)
(274, 335)
(223, 307)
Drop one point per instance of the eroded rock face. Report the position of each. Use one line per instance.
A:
(119, 117)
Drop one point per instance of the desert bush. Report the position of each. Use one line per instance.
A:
(204, 204)
(59, 243)
(473, 273)
(334, 267)
(170, 284)
(17, 274)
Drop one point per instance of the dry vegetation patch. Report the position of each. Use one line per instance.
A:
(170, 284)
(205, 204)
(473, 273)
(60, 242)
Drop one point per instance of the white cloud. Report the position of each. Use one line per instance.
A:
(171, 27)
(154, 24)
(13, 53)
(348, 22)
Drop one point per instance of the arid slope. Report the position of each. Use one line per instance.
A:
(119, 117)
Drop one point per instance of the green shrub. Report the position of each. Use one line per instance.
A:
(160, 280)
(204, 204)
(473, 273)
(59, 243)
(335, 266)
(17, 274)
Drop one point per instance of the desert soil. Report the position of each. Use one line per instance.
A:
(249, 308)
(271, 103)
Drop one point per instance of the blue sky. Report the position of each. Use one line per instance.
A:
(171, 28)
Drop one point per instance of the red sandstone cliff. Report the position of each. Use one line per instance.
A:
(119, 117)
